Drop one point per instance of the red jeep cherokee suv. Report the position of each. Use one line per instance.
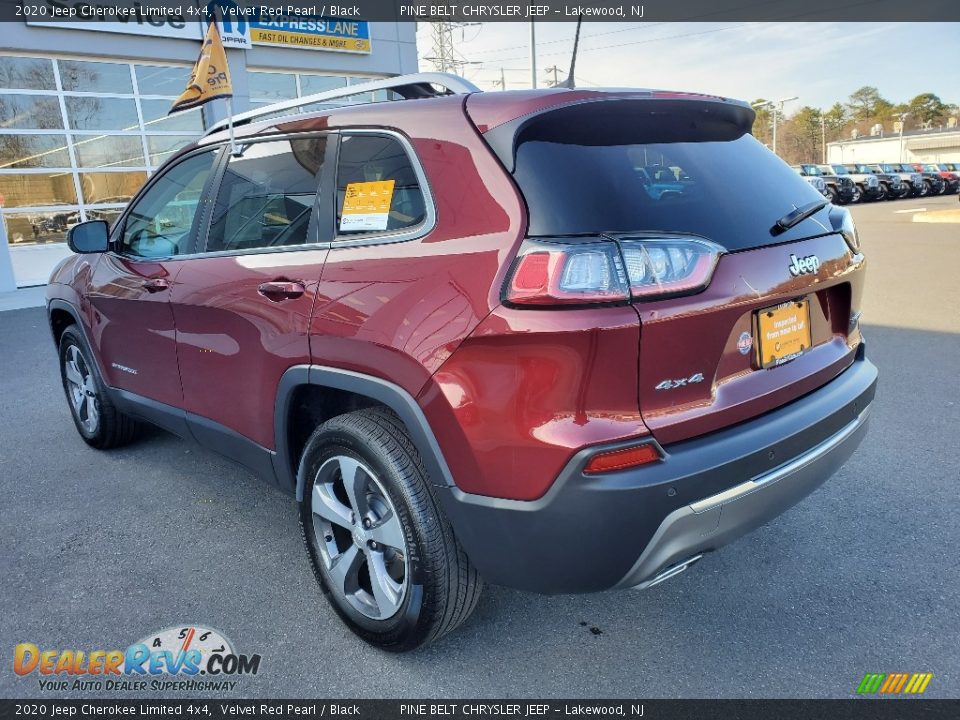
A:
(560, 340)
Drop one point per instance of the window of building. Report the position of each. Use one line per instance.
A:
(78, 138)
(377, 187)
(266, 196)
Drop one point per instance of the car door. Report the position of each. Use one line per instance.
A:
(132, 320)
(242, 307)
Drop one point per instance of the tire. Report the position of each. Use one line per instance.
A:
(927, 189)
(834, 195)
(943, 189)
(882, 194)
(421, 591)
(857, 195)
(99, 423)
(891, 195)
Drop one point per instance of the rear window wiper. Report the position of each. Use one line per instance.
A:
(795, 217)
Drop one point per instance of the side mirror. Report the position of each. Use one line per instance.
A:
(92, 236)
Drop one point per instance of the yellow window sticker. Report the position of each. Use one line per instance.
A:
(366, 206)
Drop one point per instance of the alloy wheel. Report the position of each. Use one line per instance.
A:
(360, 538)
(82, 390)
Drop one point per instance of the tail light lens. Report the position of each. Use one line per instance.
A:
(548, 273)
(597, 270)
(663, 267)
(842, 220)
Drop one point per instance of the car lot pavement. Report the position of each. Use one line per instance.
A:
(99, 549)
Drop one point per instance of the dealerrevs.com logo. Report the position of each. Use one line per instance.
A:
(190, 658)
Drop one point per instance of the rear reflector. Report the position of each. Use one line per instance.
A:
(622, 459)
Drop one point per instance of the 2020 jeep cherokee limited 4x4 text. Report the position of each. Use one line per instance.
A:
(474, 341)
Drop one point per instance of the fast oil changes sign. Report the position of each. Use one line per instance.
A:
(331, 34)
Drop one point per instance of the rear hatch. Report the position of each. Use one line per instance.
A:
(680, 186)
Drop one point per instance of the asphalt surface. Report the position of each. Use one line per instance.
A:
(100, 549)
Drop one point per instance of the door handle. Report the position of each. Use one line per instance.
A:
(278, 290)
(156, 285)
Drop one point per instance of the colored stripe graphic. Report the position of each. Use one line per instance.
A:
(918, 683)
(894, 683)
(870, 683)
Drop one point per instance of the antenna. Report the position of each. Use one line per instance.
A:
(569, 82)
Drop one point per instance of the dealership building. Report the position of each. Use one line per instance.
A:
(83, 109)
(914, 146)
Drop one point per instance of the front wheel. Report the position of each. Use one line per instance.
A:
(99, 423)
(382, 550)
(927, 189)
(857, 195)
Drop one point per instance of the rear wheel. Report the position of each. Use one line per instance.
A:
(834, 195)
(99, 423)
(927, 189)
(857, 195)
(383, 552)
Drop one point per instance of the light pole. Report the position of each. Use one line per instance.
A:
(777, 107)
(903, 117)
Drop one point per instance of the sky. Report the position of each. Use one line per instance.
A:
(820, 63)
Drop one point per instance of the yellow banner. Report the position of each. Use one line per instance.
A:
(264, 36)
(210, 78)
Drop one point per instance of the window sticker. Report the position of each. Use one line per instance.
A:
(366, 206)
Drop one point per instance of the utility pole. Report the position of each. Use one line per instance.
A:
(823, 137)
(445, 56)
(502, 83)
(553, 70)
(533, 56)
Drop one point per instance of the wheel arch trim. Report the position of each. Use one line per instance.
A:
(59, 304)
(382, 391)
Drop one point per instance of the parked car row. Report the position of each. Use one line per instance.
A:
(862, 182)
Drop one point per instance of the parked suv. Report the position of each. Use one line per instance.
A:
(950, 181)
(463, 332)
(815, 181)
(844, 180)
(840, 190)
(912, 180)
(891, 183)
(867, 183)
(933, 184)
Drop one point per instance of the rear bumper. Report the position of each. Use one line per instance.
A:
(625, 529)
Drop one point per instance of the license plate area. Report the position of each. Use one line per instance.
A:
(783, 332)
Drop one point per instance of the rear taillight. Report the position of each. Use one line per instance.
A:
(583, 273)
(660, 267)
(596, 270)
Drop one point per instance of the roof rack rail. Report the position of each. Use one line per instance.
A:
(415, 85)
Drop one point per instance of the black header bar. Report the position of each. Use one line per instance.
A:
(492, 11)
(860, 709)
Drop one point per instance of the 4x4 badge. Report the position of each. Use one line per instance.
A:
(805, 265)
(680, 382)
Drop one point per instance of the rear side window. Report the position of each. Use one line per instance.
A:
(267, 195)
(377, 187)
(622, 170)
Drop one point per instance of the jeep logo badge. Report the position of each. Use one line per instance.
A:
(804, 266)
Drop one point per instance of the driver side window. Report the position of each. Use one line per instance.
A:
(161, 223)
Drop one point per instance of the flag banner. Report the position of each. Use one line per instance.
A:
(210, 77)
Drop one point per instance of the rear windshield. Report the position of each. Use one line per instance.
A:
(710, 181)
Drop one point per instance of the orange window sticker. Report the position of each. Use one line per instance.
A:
(366, 206)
